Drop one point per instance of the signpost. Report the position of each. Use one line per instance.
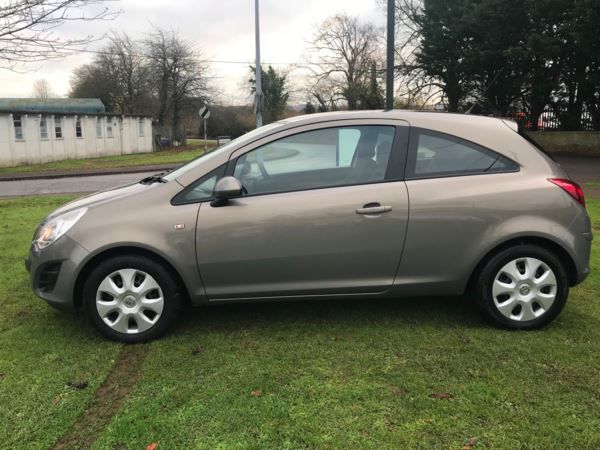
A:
(204, 114)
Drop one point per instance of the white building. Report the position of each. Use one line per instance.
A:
(38, 131)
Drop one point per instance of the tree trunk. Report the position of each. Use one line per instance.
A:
(534, 118)
(452, 91)
(178, 131)
(163, 98)
(453, 100)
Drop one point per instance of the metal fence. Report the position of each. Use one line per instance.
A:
(552, 119)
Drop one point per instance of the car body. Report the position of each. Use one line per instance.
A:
(346, 204)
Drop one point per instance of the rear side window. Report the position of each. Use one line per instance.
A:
(434, 154)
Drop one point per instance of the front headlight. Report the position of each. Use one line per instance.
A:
(54, 228)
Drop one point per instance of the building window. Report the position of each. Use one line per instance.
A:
(141, 127)
(18, 124)
(98, 127)
(43, 127)
(58, 127)
(109, 133)
(78, 129)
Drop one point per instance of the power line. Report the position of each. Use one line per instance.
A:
(214, 61)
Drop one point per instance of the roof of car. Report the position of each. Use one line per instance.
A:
(398, 114)
(485, 130)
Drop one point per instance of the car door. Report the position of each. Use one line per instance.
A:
(325, 212)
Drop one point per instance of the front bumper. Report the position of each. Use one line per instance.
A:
(53, 271)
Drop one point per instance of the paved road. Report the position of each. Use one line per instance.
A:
(580, 168)
(67, 185)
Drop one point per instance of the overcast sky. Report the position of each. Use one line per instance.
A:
(222, 29)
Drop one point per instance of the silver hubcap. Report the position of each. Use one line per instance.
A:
(129, 301)
(524, 289)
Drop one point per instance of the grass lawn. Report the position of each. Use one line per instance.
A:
(181, 155)
(420, 373)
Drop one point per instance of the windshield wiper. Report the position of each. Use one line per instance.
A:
(156, 178)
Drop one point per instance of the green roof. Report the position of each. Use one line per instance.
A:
(52, 105)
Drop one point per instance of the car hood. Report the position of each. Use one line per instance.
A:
(101, 197)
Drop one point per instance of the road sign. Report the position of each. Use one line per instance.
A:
(204, 112)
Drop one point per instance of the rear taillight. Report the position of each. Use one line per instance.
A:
(571, 188)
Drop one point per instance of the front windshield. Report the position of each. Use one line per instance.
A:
(248, 137)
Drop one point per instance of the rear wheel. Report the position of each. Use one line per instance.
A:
(522, 287)
(131, 299)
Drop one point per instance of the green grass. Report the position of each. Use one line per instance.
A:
(342, 374)
(194, 148)
(41, 350)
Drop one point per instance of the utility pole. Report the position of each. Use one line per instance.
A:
(389, 80)
(258, 86)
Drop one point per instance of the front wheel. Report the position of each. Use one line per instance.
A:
(131, 299)
(522, 287)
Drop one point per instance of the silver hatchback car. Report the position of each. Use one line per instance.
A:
(334, 205)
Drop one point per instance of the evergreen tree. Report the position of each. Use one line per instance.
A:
(275, 92)
(373, 95)
(309, 108)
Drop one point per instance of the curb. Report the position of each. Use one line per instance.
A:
(84, 173)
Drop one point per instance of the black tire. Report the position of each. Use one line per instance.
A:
(484, 282)
(168, 286)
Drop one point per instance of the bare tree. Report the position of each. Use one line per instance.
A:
(41, 89)
(324, 93)
(128, 68)
(415, 88)
(161, 73)
(345, 50)
(119, 75)
(28, 29)
(180, 75)
(93, 81)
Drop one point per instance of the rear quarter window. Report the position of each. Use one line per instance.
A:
(434, 154)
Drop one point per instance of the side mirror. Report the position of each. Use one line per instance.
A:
(226, 188)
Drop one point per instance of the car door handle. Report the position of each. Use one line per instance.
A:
(373, 208)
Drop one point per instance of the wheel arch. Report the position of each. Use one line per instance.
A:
(543, 242)
(122, 251)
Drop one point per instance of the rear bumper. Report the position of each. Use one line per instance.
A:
(582, 252)
(53, 271)
(582, 276)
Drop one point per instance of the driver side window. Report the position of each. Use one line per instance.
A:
(316, 159)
